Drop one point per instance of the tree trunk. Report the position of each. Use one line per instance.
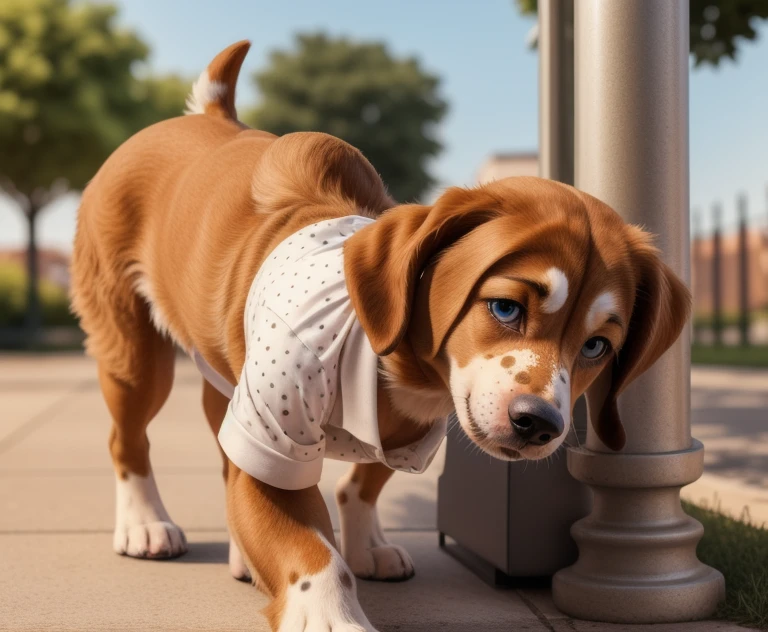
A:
(33, 318)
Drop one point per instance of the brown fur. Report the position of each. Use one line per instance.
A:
(179, 219)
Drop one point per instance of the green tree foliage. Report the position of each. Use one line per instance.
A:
(716, 26)
(385, 107)
(68, 98)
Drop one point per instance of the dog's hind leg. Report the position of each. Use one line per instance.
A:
(363, 545)
(215, 406)
(143, 527)
(135, 367)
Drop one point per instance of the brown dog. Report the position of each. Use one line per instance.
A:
(505, 302)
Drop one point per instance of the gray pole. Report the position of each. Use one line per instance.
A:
(556, 90)
(741, 205)
(637, 550)
(696, 275)
(556, 124)
(717, 270)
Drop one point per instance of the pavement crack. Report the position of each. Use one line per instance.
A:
(538, 613)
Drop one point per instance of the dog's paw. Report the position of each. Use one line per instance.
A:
(387, 562)
(324, 602)
(142, 526)
(153, 540)
(237, 563)
(366, 550)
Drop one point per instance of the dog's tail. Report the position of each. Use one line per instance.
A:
(214, 91)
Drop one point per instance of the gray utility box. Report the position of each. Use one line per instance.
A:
(510, 519)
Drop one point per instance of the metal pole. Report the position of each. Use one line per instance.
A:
(696, 276)
(741, 205)
(556, 118)
(637, 550)
(717, 268)
(556, 90)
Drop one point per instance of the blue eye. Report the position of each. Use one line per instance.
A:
(506, 311)
(595, 348)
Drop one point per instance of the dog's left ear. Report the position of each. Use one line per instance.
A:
(661, 309)
(383, 261)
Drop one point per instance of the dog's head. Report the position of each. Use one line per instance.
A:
(518, 296)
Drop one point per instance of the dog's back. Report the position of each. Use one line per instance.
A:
(177, 221)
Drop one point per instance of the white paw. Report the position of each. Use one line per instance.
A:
(363, 544)
(388, 562)
(237, 563)
(154, 540)
(143, 527)
(324, 602)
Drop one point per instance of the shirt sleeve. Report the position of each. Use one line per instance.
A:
(272, 428)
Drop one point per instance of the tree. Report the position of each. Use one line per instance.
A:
(385, 107)
(716, 26)
(68, 98)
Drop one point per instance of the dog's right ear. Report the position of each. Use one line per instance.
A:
(384, 260)
(661, 309)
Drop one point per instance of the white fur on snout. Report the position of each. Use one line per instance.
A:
(601, 308)
(324, 601)
(483, 388)
(557, 283)
(143, 527)
(558, 393)
(363, 545)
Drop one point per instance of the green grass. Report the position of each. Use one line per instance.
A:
(729, 319)
(739, 550)
(752, 356)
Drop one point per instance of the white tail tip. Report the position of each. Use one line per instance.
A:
(204, 92)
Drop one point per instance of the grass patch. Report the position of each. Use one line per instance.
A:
(728, 319)
(752, 356)
(739, 550)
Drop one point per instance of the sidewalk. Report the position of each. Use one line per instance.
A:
(730, 416)
(58, 572)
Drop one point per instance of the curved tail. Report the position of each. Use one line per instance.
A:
(214, 91)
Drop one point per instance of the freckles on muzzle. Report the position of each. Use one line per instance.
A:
(529, 427)
(505, 413)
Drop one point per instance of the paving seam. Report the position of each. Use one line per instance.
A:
(39, 420)
(537, 613)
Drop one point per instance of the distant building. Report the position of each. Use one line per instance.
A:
(52, 264)
(506, 165)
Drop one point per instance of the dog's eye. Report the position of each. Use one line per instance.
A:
(595, 348)
(506, 311)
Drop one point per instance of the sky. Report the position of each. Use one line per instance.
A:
(489, 78)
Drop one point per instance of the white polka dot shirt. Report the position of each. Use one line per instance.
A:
(308, 386)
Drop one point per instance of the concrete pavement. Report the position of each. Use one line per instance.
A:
(58, 572)
(730, 416)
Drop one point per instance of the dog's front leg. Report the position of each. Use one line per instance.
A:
(366, 550)
(287, 541)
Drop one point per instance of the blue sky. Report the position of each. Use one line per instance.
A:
(489, 80)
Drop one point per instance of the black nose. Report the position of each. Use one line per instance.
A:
(535, 420)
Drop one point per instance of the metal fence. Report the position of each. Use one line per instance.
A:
(729, 276)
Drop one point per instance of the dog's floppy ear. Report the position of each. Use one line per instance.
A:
(383, 261)
(661, 309)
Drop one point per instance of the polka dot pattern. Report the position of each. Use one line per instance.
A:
(287, 403)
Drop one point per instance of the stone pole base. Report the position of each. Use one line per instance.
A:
(637, 549)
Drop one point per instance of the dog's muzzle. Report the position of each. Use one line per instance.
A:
(534, 420)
